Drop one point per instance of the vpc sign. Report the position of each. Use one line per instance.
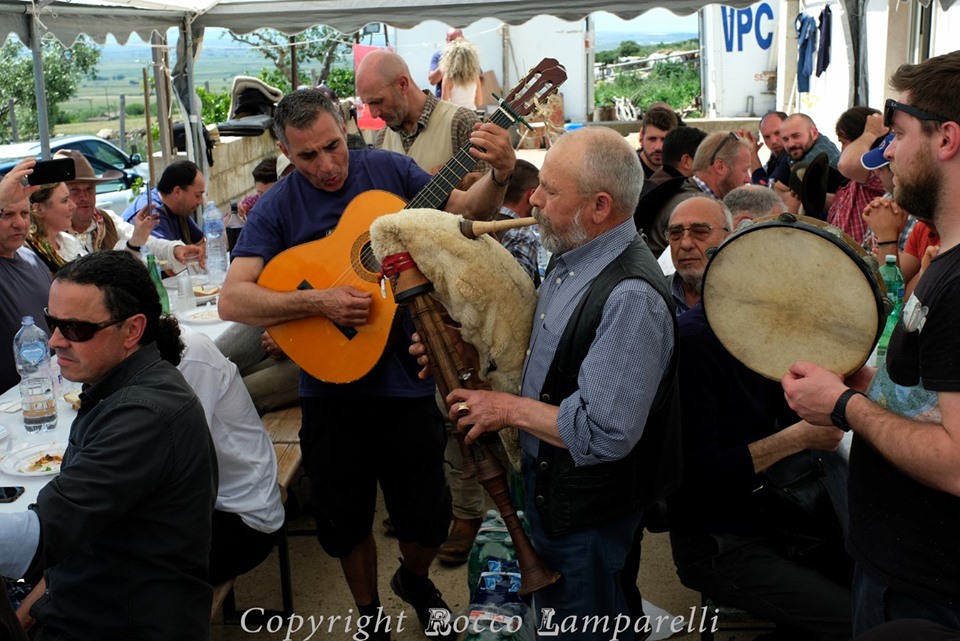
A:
(756, 22)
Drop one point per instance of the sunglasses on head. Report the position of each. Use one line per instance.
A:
(892, 107)
(77, 331)
(730, 136)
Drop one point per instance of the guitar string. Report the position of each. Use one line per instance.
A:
(463, 161)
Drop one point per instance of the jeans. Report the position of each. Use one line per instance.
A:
(589, 561)
(751, 573)
(874, 603)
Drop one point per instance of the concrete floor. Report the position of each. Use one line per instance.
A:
(319, 589)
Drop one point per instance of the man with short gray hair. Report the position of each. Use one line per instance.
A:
(598, 447)
(753, 201)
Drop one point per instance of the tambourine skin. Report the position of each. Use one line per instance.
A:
(792, 288)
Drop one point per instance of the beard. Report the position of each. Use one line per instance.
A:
(556, 242)
(919, 192)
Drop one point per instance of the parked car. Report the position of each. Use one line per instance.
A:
(114, 195)
(90, 146)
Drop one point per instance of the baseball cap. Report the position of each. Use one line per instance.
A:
(874, 159)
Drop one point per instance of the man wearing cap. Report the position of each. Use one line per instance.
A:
(175, 200)
(418, 125)
(98, 229)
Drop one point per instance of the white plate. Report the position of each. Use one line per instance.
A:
(206, 315)
(18, 462)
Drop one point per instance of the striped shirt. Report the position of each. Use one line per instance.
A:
(620, 376)
(460, 129)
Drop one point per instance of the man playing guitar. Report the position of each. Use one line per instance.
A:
(385, 426)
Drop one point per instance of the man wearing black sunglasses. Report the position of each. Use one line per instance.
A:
(905, 457)
(122, 534)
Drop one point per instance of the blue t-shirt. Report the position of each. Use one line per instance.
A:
(294, 212)
(168, 226)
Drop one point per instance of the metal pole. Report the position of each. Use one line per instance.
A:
(194, 140)
(11, 108)
(43, 124)
(122, 134)
(161, 82)
(294, 76)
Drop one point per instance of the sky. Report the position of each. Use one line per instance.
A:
(654, 21)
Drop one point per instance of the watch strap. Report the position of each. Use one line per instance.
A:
(839, 414)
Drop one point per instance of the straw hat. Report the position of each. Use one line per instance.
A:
(84, 170)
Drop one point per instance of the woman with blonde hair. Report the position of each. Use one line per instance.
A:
(51, 212)
(51, 216)
(460, 63)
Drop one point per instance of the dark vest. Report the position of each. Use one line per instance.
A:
(571, 498)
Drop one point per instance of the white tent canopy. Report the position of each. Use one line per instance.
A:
(67, 19)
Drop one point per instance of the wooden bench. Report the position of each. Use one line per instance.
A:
(283, 427)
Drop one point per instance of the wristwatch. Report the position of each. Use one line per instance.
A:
(839, 414)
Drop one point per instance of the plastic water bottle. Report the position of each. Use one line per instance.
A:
(893, 281)
(37, 397)
(214, 231)
(157, 281)
(234, 226)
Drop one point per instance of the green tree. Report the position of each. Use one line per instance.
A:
(63, 69)
(629, 48)
(316, 44)
(214, 106)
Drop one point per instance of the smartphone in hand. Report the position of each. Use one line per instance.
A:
(52, 171)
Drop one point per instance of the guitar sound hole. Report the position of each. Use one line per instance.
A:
(365, 263)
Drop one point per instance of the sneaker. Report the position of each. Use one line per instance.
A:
(423, 597)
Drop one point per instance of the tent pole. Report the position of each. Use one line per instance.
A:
(40, 89)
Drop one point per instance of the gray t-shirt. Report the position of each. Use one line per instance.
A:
(24, 289)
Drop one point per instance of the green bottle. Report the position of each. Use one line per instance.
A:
(158, 283)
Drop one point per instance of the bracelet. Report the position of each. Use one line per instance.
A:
(133, 248)
(493, 177)
(887, 242)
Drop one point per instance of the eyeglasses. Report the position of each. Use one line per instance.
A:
(77, 331)
(892, 107)
(730, 136)
(700, 231)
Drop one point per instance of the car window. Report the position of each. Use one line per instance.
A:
(113, 185)
(103, 151)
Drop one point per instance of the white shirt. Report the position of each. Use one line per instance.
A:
(73, 245)
(245, 457)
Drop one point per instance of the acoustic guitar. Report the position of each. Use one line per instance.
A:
(338, 354)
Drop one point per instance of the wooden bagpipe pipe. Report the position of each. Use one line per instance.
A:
(435, 260)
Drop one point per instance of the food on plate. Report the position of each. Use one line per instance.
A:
(73, 398)
(45, 463)
(205, 314)
(202, 290)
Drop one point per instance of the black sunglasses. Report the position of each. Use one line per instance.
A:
(77, 331)
(730, 136)
(892, 107)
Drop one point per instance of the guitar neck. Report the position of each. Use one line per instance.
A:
(433, 195)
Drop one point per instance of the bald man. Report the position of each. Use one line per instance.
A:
(428, 130)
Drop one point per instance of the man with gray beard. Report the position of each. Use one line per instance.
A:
(905, 456)
(597, 412)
